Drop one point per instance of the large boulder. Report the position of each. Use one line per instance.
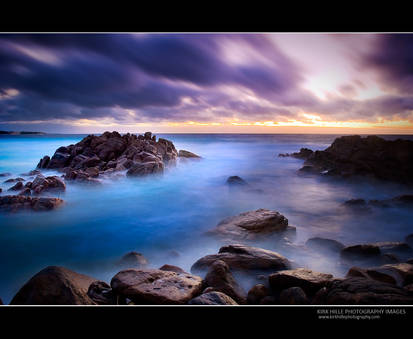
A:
(55, 286)
(310, 281)
(152, 286)
(220, 279)
(212, 298)
(364, 291)
(244, 258)
(250, 225)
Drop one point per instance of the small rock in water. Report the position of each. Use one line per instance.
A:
(172, 268)
(134, 259)
(186, 154)
(236, 180)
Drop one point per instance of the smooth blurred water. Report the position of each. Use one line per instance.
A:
(159, 214)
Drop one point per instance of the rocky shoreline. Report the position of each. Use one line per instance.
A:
(377, 273)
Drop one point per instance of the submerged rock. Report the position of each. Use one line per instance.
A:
(362, 251)
(14, 203)
(236, 181)
(151, 286)
(133, 259)
(186, 154)
(55, 286)
(244, 258)
(212, 298)
(324, 244)
(249, 225)
(172, 268)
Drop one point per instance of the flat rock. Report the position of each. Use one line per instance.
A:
(212, 298)
(14, 203)
(152, 286)
(363, 291)
(252, 224)
(310, 281)
(242, 257)
(55, 285)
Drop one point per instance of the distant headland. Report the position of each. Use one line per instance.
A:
(20, 132)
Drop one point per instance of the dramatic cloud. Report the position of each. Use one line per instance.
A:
(144, 78)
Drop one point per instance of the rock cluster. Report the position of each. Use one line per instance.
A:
(370, 156)
(96, 155)
(14, 203)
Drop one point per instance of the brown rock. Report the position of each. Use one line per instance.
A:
(186, 154)
(14, 203)
(151, 286)
(220, 279)
(172, 268)
(17, 187)
(324, 244)
(256, 293)
(55, 286)
(134, 259)
(293, 296)
(310, 281)
(212, 298)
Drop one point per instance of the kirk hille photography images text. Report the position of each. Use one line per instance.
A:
(208, 169)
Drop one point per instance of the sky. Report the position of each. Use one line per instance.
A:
(207, 83)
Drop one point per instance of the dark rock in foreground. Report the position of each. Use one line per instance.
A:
(212, 298)
(110, 152)
(364, 291)
(370, 156)
(310, 281)
(14, 203)
(244, 258)
(101, 293)
(293, 296)
(55, 286)
(257, 293)
(220, 279)
(151, 286)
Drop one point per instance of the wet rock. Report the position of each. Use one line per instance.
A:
(370, 156)
(293, 296)
(13, 180)
(141, 169)
(186, 154)
(220, 279)
(4, 174)
(151, 286)
(310, 281)
(394, 247)
(364, 291)
(244, 258)
(324, 244)
(53, 183)
(14, 203)
(400, 274)
(101, 293)
(172, 268)
(17, 187)
(25, 191)
(55, 286)
(363, 251)
(212, 298)
(133, 259)
(252, 224)
(256, 293)
(236, 181)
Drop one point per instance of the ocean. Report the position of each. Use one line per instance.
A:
(165, 217)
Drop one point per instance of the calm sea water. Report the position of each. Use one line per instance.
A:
(157, 215)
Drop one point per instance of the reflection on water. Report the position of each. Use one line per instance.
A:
(157, 215)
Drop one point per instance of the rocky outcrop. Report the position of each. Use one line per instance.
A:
(252, 224)
(310, 281)
(303, 154)
(244, 258)
(14, 203)
(220, 279)
(140, 155)
(151, 286)
(212, 298)
(324, 244)
(55, 286)
(186, 154)
(370, 156)
(364, 291)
